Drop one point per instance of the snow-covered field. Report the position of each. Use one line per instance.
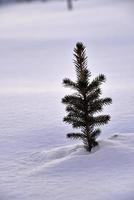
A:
(37, 162)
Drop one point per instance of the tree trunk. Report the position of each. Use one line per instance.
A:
(69, 4)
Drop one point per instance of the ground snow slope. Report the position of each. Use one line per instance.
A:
(106, 173)
(69, 172)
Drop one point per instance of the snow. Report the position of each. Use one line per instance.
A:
(68, 172)
(36, 44)
(32, 33)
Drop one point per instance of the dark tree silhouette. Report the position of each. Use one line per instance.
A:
(69, 4)
(82, 106)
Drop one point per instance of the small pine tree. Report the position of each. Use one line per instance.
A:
(85, 103)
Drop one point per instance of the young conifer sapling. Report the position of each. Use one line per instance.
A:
(85, 103)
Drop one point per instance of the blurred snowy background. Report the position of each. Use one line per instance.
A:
(36, 53)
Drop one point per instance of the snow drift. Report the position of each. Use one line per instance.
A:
(70, 172)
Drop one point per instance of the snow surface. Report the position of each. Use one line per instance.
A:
(36, 43)
(68, 172)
